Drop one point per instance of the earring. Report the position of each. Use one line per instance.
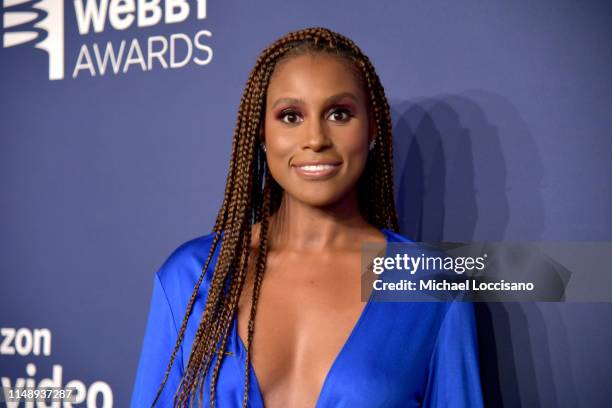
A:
(372, 144)
(263, 147)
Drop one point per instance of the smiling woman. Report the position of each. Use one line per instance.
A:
(310, 181)
(316, 129)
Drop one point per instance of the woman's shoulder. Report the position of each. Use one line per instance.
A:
(183, 267)
(395, 236)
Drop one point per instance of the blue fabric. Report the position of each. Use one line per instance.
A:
(399, 354)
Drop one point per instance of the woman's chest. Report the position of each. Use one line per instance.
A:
(305, 313)
(383, 363)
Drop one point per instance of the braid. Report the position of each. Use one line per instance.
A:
(251, 195)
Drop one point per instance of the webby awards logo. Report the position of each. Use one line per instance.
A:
(41, 23)
(19, 30)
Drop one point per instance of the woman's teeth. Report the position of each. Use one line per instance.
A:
(317, 167)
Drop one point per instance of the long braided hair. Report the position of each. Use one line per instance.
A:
(252, 195)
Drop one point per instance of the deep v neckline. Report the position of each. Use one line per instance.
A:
(326, 381)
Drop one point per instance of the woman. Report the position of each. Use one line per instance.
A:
(310, 180)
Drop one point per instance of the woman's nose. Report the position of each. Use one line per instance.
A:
(316, 137)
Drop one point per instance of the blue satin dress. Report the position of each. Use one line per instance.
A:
(399, 354)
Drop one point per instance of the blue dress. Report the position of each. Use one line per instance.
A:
(399, 354)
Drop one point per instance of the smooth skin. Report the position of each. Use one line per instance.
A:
(310, 300)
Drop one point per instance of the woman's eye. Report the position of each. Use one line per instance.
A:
(290, 117)
(340, 115)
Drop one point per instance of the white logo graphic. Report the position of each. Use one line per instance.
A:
(18, 31)
(41, 22)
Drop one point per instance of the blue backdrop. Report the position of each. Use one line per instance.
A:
(116, 125)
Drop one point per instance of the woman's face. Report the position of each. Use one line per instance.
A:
(316, 128)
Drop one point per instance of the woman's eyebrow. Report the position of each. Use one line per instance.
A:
(298, 101)
(291, 101)
(337, 97)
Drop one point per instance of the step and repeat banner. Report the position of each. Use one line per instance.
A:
(115, 134)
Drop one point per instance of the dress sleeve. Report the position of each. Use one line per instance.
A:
(454, 378)
(159, 341)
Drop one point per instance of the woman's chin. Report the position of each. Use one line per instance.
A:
(319, 199)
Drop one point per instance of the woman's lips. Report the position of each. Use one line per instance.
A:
(316, 171)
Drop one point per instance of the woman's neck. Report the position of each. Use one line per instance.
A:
(302, 227)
